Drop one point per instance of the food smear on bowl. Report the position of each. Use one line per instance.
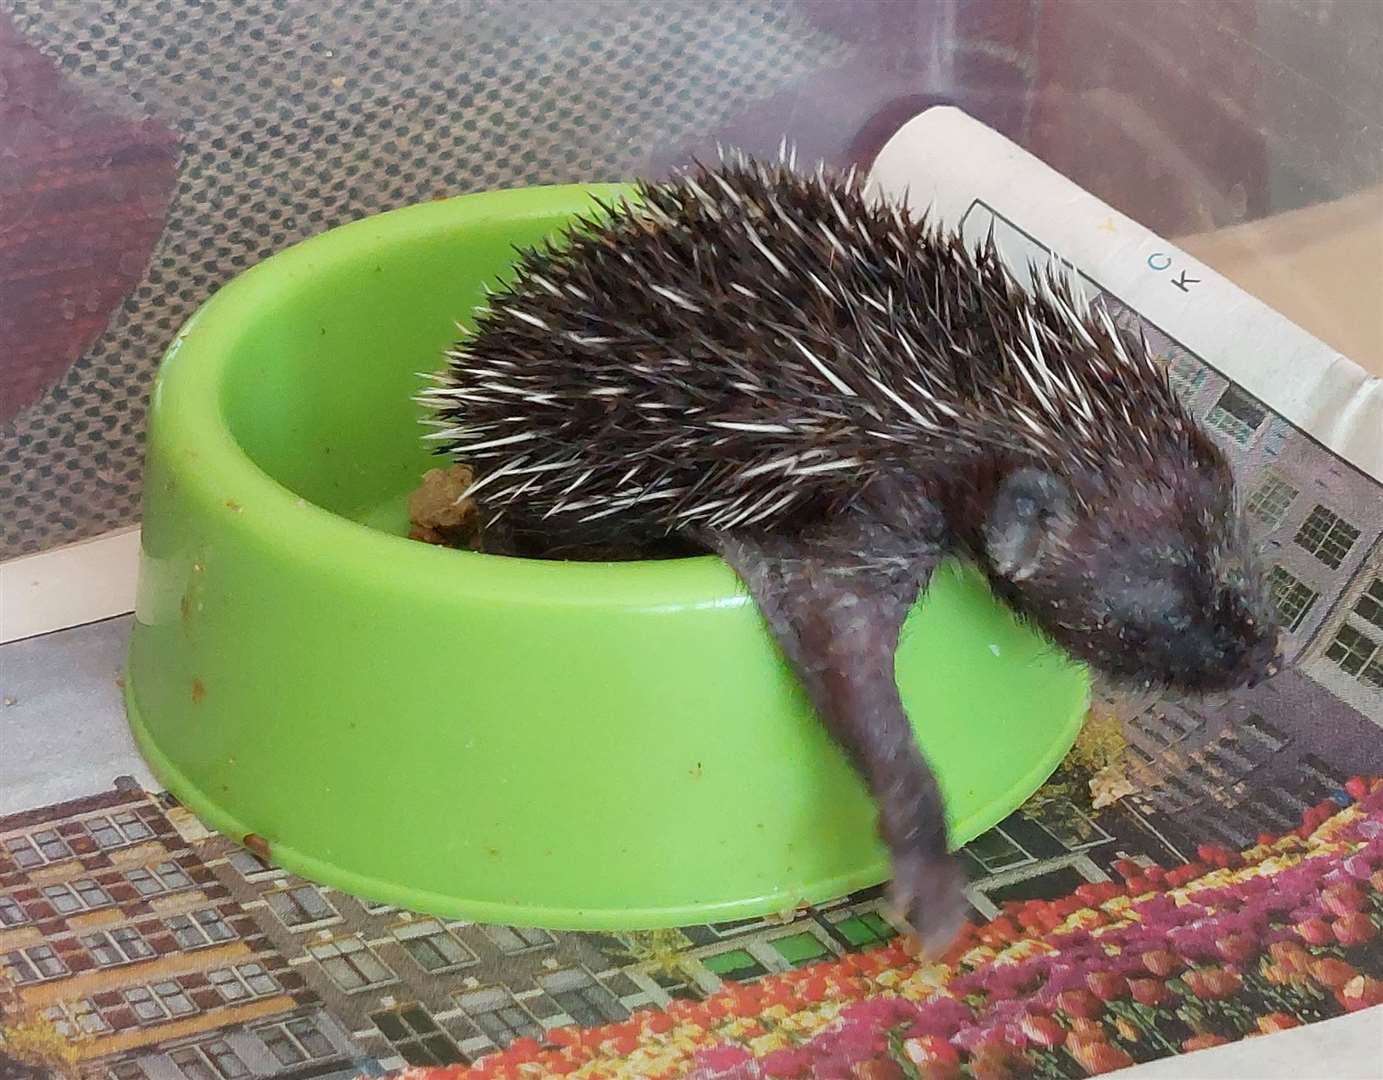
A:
(441, 512)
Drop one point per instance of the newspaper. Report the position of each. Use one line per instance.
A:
(1191, 875)
(970, 175)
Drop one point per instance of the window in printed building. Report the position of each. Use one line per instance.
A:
(416, 1036)
(802, 949)
(432, 946)
(78, 896)
(117, 830)
(582, 998)
(23, 852)
(1327, 536)
(351, 964)
(499, 1016)
(1255, 728)
(1186, 374)
(51, 846)
(866, 929)
(153, 880)
(513, 939)
(12, 912)
(73, 1019)
(995, 850)
(735, 965)
(1357, 654)
(213, 1060)
(296, 1041)
(1292, 598)
(1070, 826)
(63, 898)
(1237, 415)
(34, 964)
(120, 946)
(1271, 500)
(1370, 605)
(249, 865)
(198, 929)
(300, 906)
(243, 982)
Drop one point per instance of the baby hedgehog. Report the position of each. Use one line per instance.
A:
(833, 397)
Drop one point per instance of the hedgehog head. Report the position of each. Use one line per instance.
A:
(1146, 575)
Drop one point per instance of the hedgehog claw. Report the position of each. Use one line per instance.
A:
(928, 893)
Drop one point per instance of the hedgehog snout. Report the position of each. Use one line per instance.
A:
(1224, 658)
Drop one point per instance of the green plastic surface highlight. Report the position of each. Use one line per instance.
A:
(568, 745)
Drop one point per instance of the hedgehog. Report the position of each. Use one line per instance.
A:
(795, 373)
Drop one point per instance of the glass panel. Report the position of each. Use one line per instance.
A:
(801, 949)
(281, 1046)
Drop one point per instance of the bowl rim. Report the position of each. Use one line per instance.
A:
(187, 412)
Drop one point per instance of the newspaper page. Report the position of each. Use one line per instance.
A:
(1189, 878)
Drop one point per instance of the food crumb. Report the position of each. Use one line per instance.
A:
(437, 512)
(198, 691)
(8, 701)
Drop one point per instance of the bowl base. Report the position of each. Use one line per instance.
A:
(323, 871)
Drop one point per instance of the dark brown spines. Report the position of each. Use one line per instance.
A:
(745, 341)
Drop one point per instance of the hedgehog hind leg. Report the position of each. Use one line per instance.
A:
(836, 617)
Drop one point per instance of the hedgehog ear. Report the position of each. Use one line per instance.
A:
(1030, 517)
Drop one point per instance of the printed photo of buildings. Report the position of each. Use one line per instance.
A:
(146, 948)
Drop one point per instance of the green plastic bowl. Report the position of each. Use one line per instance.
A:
(573, 745)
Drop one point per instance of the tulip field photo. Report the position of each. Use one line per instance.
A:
(1234, 945)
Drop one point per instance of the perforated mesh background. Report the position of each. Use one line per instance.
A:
(295, 118)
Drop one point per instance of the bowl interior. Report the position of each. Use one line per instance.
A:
(318, 393)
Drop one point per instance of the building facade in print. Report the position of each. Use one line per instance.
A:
(417, 989)
(113, 929)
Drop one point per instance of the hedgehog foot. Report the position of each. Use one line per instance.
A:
(928, 893)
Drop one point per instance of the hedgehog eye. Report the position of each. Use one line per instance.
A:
(1029, 519)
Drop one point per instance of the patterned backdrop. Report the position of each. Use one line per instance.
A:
(290, 118)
